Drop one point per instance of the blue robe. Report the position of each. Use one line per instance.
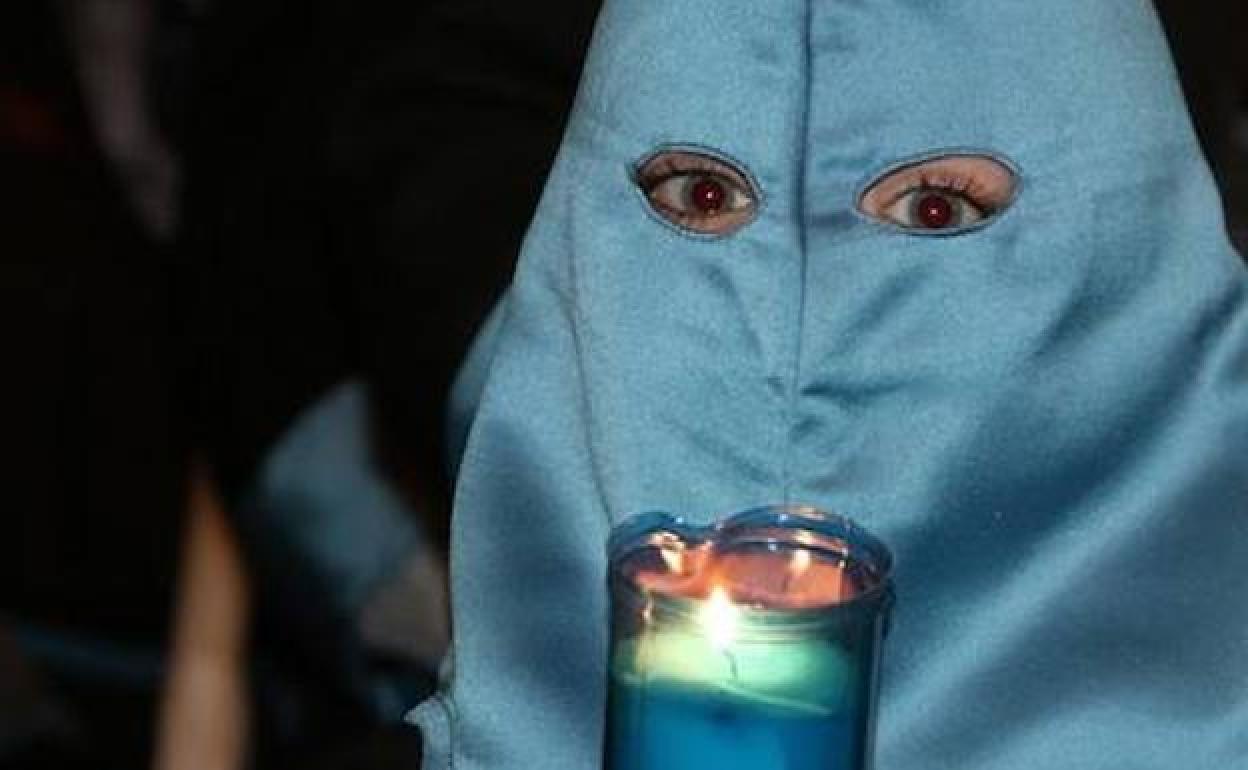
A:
(1046, 417)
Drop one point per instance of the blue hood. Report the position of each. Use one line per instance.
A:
(1046, 417)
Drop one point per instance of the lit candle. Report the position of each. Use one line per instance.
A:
(751, 645)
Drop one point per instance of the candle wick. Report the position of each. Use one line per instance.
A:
(732, 665)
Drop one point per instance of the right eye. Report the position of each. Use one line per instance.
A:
(697, 192)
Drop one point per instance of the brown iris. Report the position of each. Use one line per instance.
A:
(697, 192)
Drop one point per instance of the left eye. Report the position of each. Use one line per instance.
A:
(933, 208)
(941, 195)
(697, 192)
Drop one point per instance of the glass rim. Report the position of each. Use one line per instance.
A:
(635, 535)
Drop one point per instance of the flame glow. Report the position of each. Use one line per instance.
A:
(719, 618)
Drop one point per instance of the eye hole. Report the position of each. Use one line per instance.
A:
(697, 192)
(941, 195)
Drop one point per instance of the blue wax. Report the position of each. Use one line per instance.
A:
(667, 726)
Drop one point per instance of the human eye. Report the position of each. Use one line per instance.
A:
(942, 195)
(697, 192)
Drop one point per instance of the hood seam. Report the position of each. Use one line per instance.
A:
(801, 218)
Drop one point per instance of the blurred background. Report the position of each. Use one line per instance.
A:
(245, 244)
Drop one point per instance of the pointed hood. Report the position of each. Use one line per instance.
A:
(1046, 415)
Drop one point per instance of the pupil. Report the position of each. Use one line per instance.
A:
(935, 211)
(707, 195)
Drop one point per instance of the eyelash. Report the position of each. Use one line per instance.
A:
(669, 168)
(963, 185)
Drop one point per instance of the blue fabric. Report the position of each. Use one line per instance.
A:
(326, 531)
(1046, 418)
(321, 517)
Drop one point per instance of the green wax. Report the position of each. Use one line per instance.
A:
(810, 675)
(679, 701)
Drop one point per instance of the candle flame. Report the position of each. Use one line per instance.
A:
(719, 618)
(799, 563)
(673, 557)
(671, 550)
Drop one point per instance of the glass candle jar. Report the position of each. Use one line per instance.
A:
(753, 643)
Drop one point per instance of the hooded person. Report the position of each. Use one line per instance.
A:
(958, 271)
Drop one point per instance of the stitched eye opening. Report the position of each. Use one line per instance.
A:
(697, 192)
(943, 195)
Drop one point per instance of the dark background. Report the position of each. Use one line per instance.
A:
(297, 199)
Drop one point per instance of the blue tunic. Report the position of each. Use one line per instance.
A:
(1046, 418)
